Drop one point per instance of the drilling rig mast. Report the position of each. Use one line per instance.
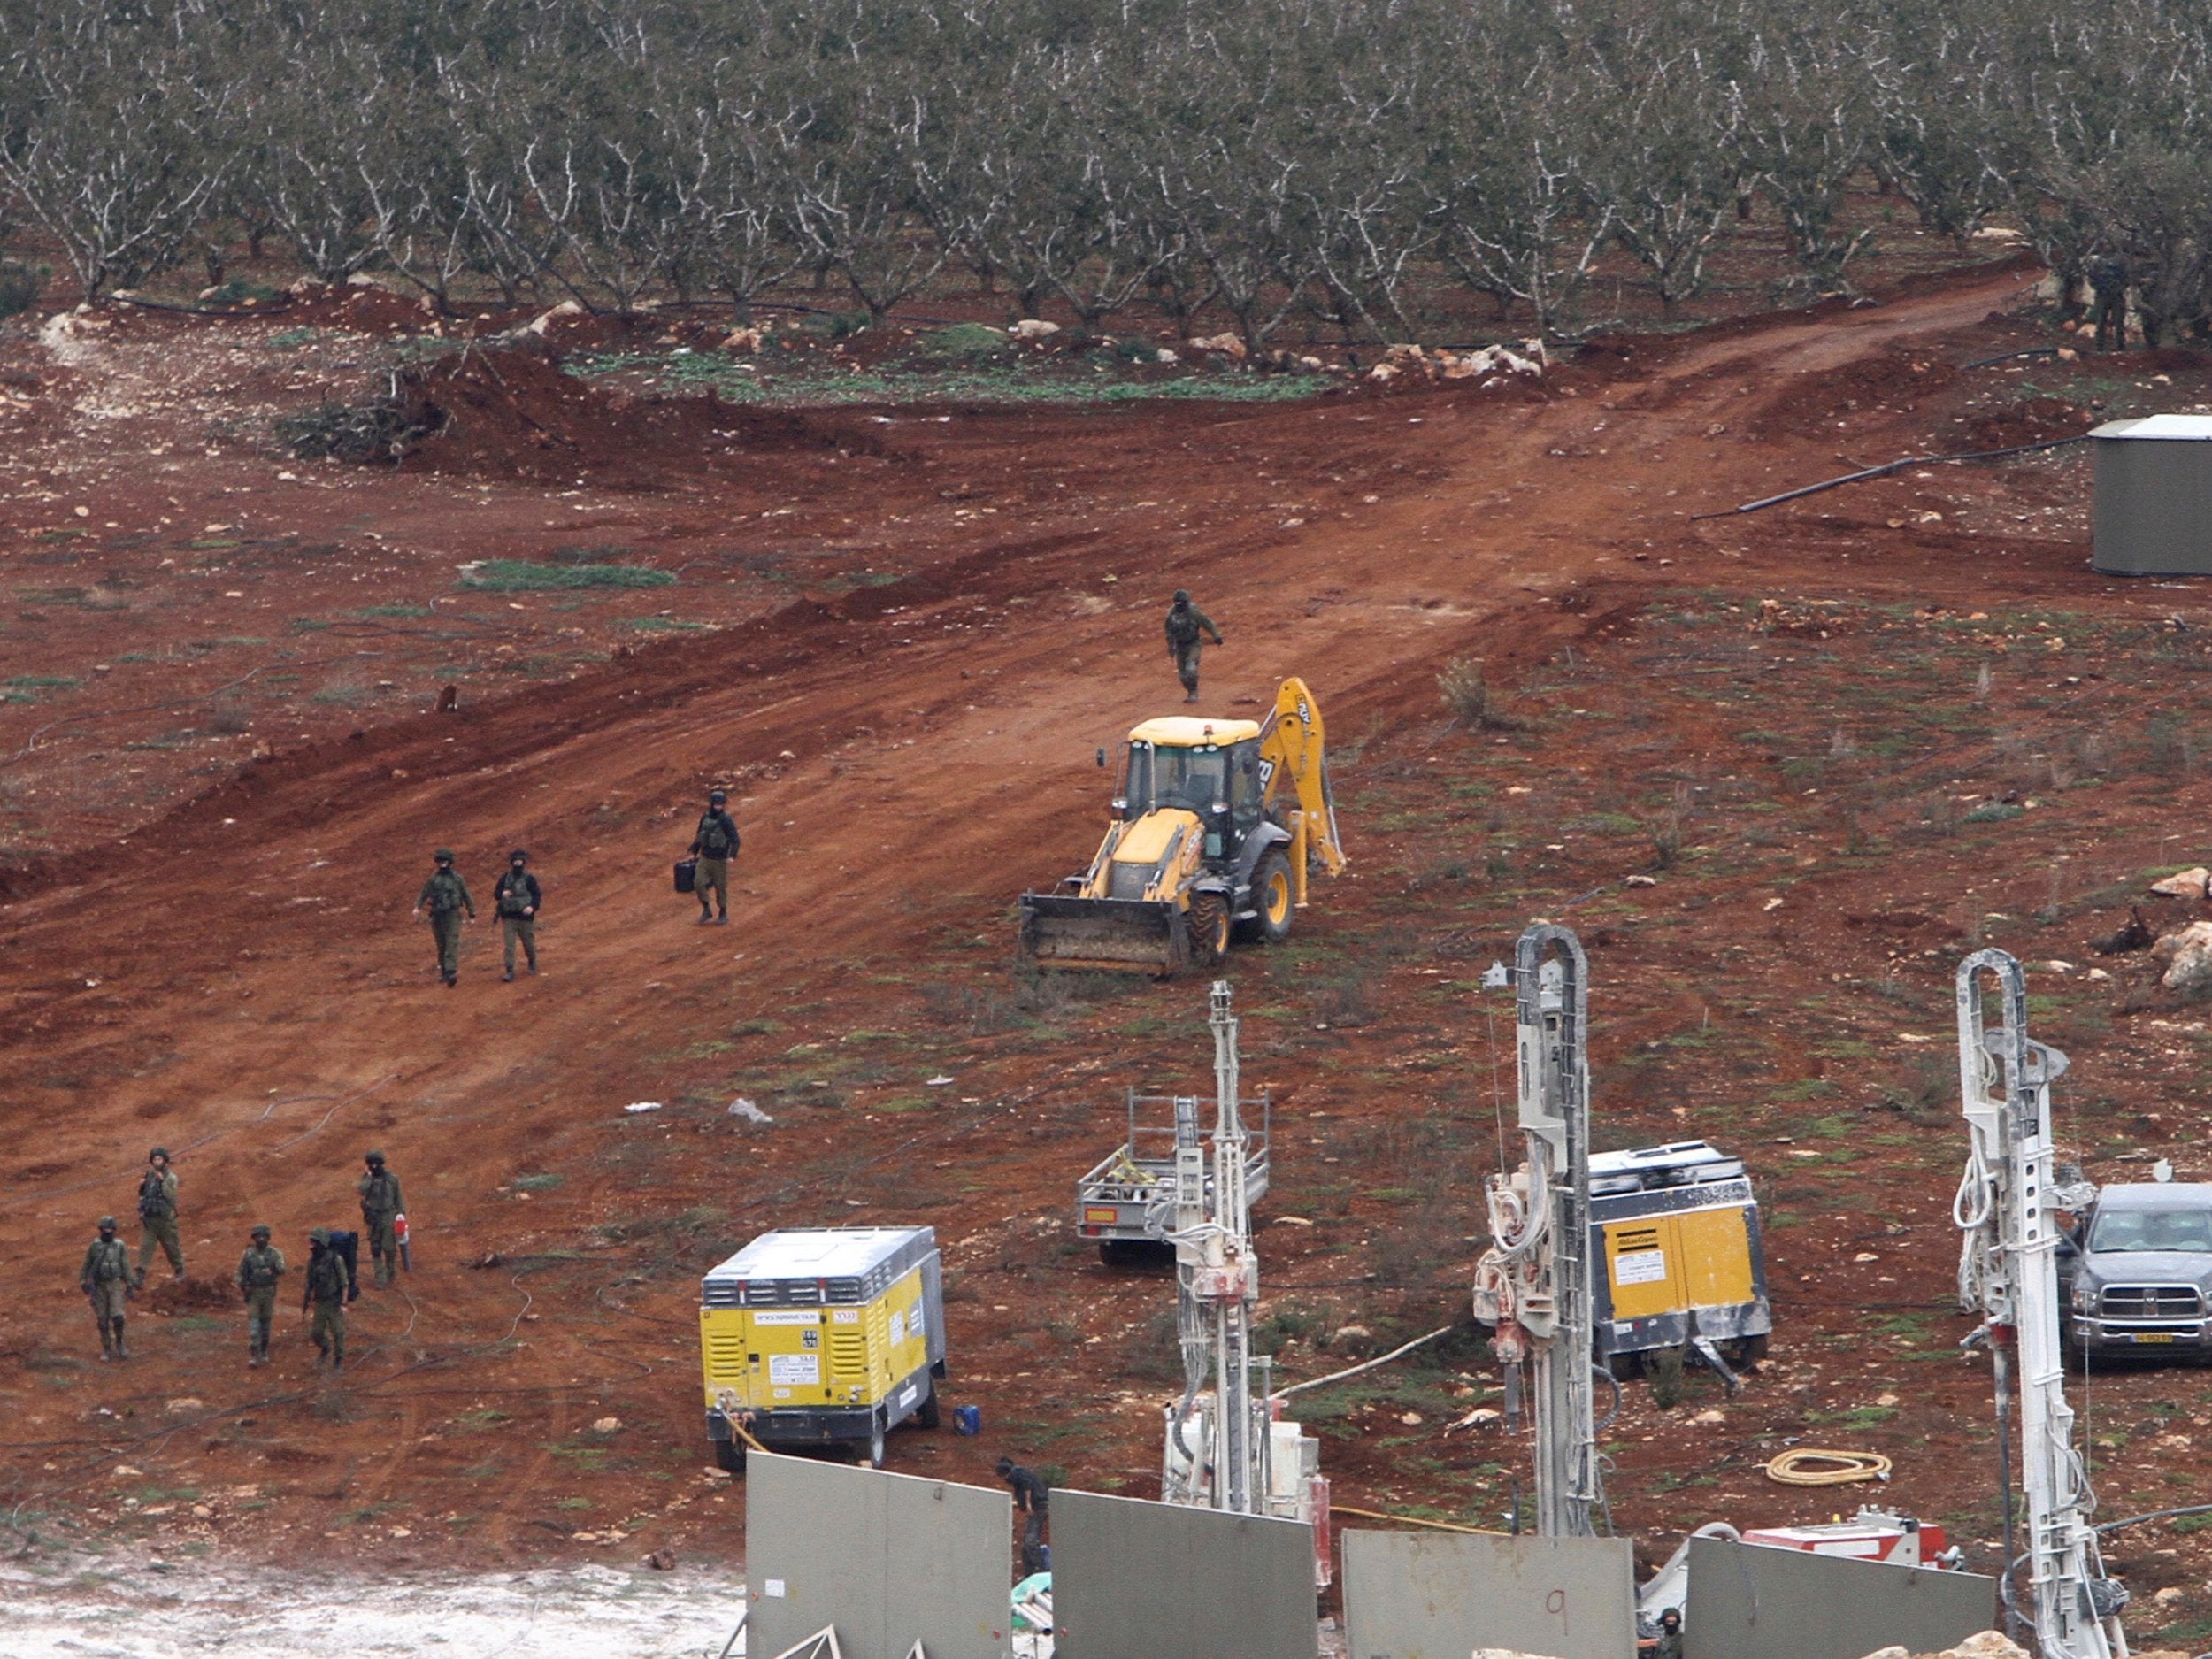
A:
(1533, 1284)
(2007, 1273)
(1218, 1282)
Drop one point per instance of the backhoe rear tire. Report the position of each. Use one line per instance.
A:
(1209, 922)
(1274, 896)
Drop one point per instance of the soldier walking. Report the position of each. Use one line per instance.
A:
(258, 1270)
(157, 1215)
(1186, 622)
(445, 896)
(714, 846)
(381, 1208)
(106, 1278)
(323, 1298)
(2108, 278)
(516, 901)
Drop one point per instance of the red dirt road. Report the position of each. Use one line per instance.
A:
(238, 978)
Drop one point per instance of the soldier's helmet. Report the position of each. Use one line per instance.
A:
(718, 797)
(158, 1152)
(1182, 596)
(372, 1157)
(107, 1223)
(444, 854)
(262, 1234)
(517, 856)
(1670, 1617)
(318, 1235)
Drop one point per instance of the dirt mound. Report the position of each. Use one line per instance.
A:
(2035, 420)
(512, 412)
(187, 1295)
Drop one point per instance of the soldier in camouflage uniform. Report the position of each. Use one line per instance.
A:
(323, 1298)
(2108, 280)
(516, 901)
(157, 1215)
(106, 1278)
(1186, 622)
(381, 1207)
(258, 1270)
(445, 896)
(714, 845)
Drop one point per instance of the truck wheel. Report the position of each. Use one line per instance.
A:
(729, 1455)
(1275, 898)
(1209, 929)
(929, 1413)
(873, 1450)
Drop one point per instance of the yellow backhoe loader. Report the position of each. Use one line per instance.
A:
(1216, 825)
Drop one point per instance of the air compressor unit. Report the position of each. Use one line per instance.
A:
(1676, 1229)
(823, 1336)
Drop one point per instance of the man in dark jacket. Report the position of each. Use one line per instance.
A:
(1186, 622)
(714, 846)
(1030, 1497)
(517, 900)
(445, 896)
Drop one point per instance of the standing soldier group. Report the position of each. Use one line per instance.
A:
(109, 1281)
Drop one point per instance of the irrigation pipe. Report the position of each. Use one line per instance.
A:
(2009, 356)
(1838, 1469)
(1884, 472)
(1339, 1376)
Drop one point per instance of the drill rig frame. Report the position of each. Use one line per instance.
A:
(2005, 1207)
(1533, 1284)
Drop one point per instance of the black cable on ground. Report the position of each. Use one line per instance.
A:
(1884, 472)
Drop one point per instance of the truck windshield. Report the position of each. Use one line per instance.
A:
(1193, 779)
(2153, 1230)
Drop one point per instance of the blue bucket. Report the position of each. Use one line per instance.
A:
(967, 1420)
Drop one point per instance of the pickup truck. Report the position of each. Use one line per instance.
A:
(2135, 1274)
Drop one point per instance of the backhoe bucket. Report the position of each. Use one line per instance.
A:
(1060, 931)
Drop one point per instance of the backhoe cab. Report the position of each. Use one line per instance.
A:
(1217, 824)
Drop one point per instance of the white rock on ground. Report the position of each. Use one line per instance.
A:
(2186, 957)
(2186, 884)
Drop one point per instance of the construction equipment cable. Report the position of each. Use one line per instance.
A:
(1413, 1520)
(1366, 1365)
(1820, 1466)
(1883, 471)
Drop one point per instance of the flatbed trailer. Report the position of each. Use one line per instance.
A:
(1126, 1204)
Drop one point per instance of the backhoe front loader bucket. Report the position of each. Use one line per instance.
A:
(1062, 931)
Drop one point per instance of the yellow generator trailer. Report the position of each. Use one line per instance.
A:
(1216, 825)
(1677, 1231)
(823, 1336)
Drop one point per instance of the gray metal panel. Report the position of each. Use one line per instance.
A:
(1431, 1596)
(1138, 1581)
(2153, 509)
(1756, 1602)
(887, 1559)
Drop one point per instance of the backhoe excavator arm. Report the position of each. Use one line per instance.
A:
(1294, 771)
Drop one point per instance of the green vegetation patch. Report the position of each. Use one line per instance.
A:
(520, 576)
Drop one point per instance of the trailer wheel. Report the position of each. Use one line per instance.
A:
(729, 1457)
(873, 1449)
(929, 1413)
